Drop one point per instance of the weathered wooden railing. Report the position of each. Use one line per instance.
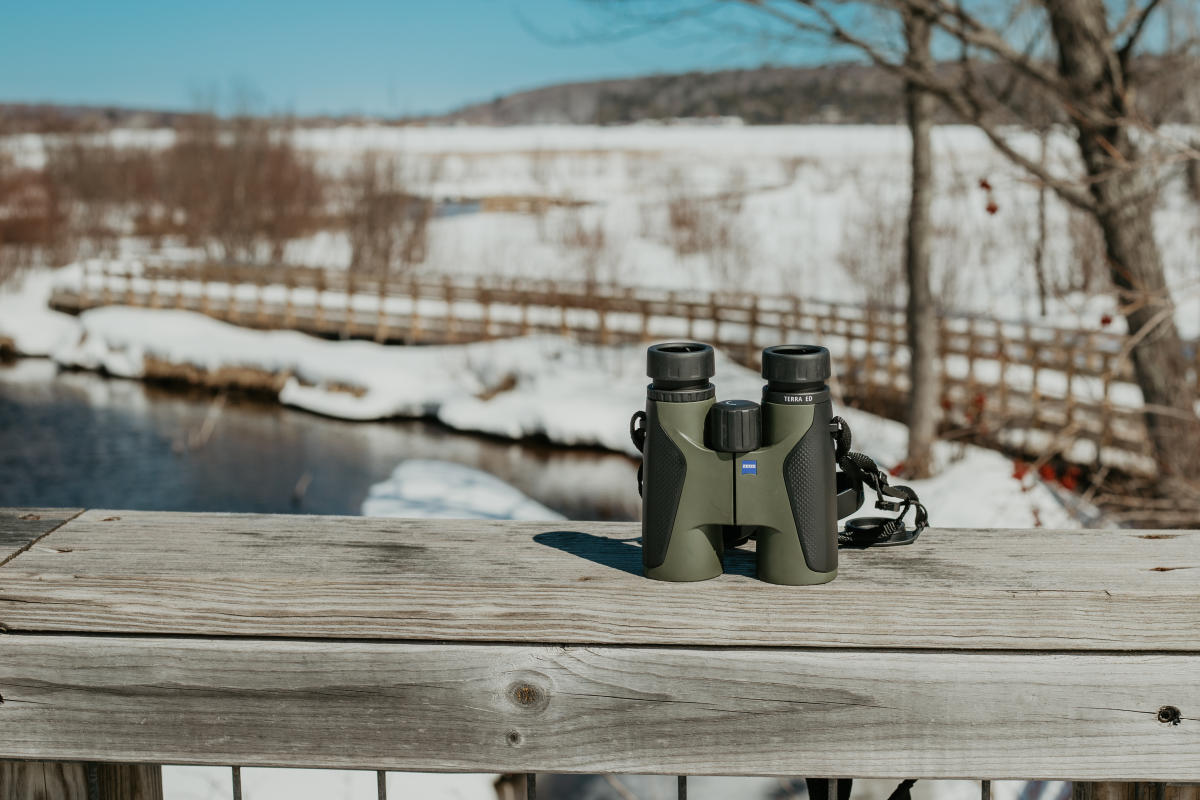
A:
(221, 639)
(1027, 387)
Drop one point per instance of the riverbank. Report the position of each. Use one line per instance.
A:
(547, 388)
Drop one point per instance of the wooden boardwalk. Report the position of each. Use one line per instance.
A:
(457, 645)
(1028, 388)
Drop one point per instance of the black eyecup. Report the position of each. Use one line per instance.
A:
(680, 365)
(793, 368)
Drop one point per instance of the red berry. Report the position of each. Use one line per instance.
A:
(1068, 482)
(1020, 469)
(983, 184)
(896, 470)
(1046, 472)
(1106, 320)
(992, 208)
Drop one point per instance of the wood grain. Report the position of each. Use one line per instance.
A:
(68, 780)
(580, 583)
(21, 527)
(527, 708)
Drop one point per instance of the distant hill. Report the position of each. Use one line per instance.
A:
(844, 93)
(847, 93)
(834, 93)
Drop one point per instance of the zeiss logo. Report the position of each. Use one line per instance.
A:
(749, 467)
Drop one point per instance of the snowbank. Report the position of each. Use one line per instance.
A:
(427, 489)
(546, 386)
(26, 319)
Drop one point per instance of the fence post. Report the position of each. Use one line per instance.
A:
(319, 317)
(752, 330)
(1002, 356)
(1033, 357)
(347, 330)
(260, 312)
(205, 299)
(869, 360)
(484, 297)
(414, 316)
(153, 300)
(78, 780)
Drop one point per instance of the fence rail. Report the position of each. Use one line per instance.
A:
(1027, 387)
(456, 645)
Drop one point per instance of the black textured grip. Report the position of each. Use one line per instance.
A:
(808, 473)
(665, 470)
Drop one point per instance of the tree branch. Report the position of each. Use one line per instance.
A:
(1140, 25)
(966, 104)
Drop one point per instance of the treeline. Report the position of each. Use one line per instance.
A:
(237, 190)
(844, 93)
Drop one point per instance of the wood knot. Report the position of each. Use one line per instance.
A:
(111, 519)
(1169, 715)
(513, 738)
(30, 517)
(527, 695)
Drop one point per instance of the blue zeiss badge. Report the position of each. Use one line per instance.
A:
(749, 467)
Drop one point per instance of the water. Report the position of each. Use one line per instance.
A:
(81, 440)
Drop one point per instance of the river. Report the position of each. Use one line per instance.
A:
(82, 440)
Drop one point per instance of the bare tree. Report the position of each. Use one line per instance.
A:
(387, 223)
(922, 316)
(1088, 71)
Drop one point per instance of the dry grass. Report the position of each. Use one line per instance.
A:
(709, 226)
(386, 223)
(872, 251)
(587, 244)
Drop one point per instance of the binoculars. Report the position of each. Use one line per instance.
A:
(716, 474)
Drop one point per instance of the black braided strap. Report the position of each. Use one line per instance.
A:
(875, 531)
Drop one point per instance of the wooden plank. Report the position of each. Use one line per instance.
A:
(533, 708)
(21, 527)
(355, 577)
(68, 780)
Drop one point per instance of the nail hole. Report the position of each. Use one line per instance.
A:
(513, 738)
(1169, 715)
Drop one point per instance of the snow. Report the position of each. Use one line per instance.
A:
(26, 318)
(215, 783)
(822, 215)
(428, 489)
(541, 386)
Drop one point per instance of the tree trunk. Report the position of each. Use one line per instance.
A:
(922, 311)
(1125, 195)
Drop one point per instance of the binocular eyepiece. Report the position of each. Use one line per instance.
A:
(718, 472)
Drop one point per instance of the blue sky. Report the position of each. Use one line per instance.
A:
(372, 56)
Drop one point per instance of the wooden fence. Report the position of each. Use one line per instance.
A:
(149, 638)
(1027, 387)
